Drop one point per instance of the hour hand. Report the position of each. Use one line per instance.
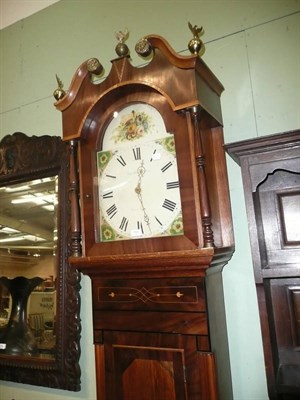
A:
(141, 170)
(138, 189)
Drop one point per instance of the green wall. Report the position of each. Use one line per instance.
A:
(252, 47)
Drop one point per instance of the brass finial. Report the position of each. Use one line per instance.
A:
(195, 44)
(121, 48)
(59, 93)
(143, 47)
(94, 66)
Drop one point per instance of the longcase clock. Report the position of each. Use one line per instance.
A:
(150, 214)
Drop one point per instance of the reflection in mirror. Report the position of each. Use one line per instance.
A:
(39, 291)
(28, 242)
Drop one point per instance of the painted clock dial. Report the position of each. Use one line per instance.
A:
(139, 189)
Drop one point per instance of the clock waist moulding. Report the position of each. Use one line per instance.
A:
(147, 239)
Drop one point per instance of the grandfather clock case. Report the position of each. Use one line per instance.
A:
(150, 319)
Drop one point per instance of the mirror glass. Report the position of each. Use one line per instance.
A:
(39, 291)
(28, 248)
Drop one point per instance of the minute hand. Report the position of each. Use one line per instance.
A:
(138, 190)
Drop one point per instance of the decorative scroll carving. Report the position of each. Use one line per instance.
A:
(19, 152)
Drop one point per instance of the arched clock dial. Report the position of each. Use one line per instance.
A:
(139, 191)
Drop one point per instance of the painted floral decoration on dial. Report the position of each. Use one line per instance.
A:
(133, 126)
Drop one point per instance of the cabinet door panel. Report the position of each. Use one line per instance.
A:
(149, 373)
(278, 210)
(284, 305)
(151, 366)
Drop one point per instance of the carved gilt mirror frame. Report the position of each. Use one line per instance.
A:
(24, 162)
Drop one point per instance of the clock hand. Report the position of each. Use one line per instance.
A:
(138, 190)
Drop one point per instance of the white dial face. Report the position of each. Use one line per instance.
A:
(139, 193)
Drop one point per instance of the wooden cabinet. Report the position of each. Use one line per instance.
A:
(147, 254)
(271, 177)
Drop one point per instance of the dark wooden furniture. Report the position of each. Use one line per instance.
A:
(24, 159)
(149, 304)
(271, 177)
